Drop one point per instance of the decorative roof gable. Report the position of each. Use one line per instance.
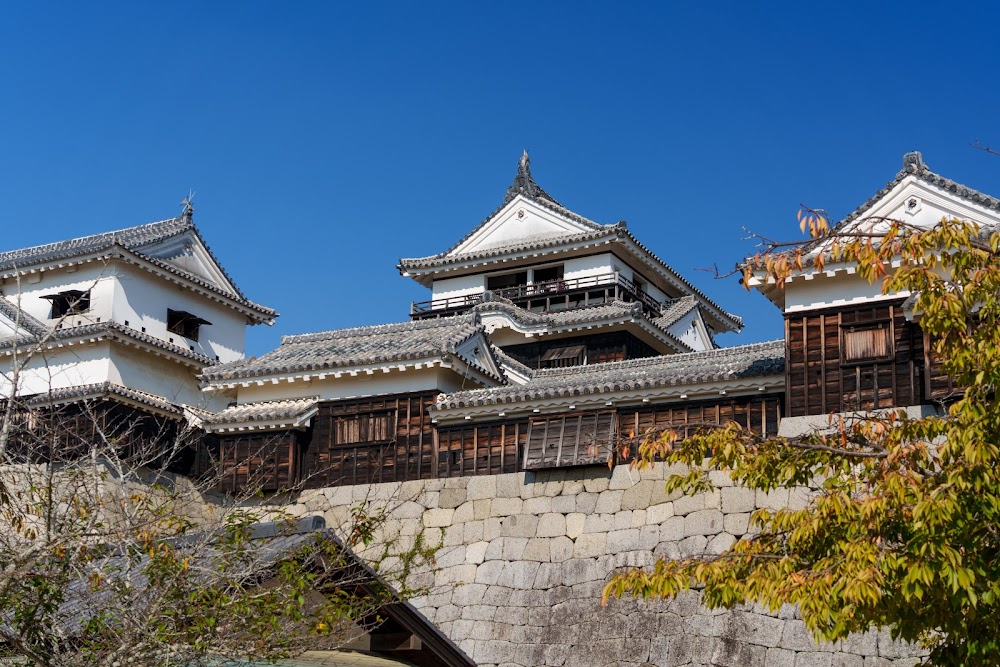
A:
(174, 246)
(342, 349)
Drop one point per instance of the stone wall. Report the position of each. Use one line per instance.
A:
(525, 556)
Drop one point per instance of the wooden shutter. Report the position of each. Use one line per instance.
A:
(867, 344)
(570, 440)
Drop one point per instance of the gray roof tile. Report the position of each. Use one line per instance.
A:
(525, 185)
(46, 335)
(913, 165)
(731, 363)
(674, 310)
(99, 391)
(265, 411)
(573, 316)
(134, 239)
(26, 322)
(359, 346)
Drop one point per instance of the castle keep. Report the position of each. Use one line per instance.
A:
(497, 411)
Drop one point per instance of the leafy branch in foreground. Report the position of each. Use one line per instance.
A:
(902, 529)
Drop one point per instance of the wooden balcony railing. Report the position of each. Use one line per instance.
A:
(551, 295)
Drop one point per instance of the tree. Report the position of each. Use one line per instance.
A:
(108, 556)
(903, 526)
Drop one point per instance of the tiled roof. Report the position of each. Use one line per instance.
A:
(359, 346)
(731, 363)
(133, 239)
(103, 330)
(267, 411)
(615, 310)
(527, 243)
(27, 322)
(103, 390)
(914, 165)
(508, 362)
(675, 310)
(525, 186)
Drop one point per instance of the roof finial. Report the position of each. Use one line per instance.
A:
(187, 213)
(524, 184)
(524, 165)
(913, 162)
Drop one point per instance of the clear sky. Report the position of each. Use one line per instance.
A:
(327, 140)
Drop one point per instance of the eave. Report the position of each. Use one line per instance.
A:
(614, 397)
(255, 313)
(92, 333)
(367, 370)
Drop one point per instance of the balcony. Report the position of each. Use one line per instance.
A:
(548, 296)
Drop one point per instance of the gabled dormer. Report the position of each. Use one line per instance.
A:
(849, 346)
(142, 307)
(559, 272)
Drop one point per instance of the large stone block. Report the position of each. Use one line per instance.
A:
(637, 497)
(451, 498)
(623, 540)
(505, 506)
(463, 513)
(776, 499)
(586, 502)
(672, 530)
(481, 488)
(468, 594)
(475, 553)
(564, 504)
(519, 574)
(590, 545)
(609, 502)
(575, 524)
(438, 518)
(489, 573)
(551, 525)
(704, 522)
(814, 660)
(538, 549)
(540, 505)
(599, 523)
(779, 657)
(510, 485)
(657, 514)
(519, 525)
(737, 524)
(736, 500)
(560, 549)
(596, 483)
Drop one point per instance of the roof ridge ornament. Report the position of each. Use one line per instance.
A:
(187, 212)
(524, 184)
(913, 163)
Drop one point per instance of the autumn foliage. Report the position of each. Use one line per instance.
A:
(903, 527)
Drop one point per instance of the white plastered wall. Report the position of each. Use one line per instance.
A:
(97, 277)
(138, 369)
(347, 387)
(142, 300)
(48, 370)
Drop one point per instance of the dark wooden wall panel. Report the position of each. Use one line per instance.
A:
(820, 380)
(601, 348)
(481, 449)
(398, 444)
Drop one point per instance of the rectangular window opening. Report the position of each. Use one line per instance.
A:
(70, 302)
(549, 278)
(507, 280)
(560, 357)
(184, 324)
(867, 344)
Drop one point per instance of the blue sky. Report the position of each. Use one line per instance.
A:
(325, 141)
